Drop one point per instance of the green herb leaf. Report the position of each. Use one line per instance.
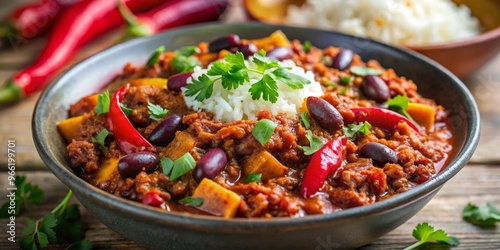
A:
(263, 130)
(400, 104)
(232, 70)
(364, 71)
(166, 165)
(30, 227)
(49, 221)
(192, 201)
(264, 63)
(343, 91)
(304, 118)
(42, 239)
(314, 144)
(352, 130)
(26, 194)
(306, 45)
(182, 165)
(201, 87)
(425, 233)
(101, 139)
(187, 51)
(125, 110)
(155, 57)
(156, 112)
(80, 245)
(329, 83)
(103, 102)
(184, 60)
(255, 177)
(486, 215)
(265, 88)
(346, 79)
(292, 80)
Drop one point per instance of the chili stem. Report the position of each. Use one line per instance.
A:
(134, 26)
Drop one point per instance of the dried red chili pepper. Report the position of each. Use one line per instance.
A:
(78, 25)
(323, 163)
(172, 14)
(127, 137)
(32, 20)
(382, 118)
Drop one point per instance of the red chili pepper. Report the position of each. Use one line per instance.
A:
(127, 137)
(78, 25)
(323, 163)
(382, 118)
(32, 20)
(152, 199)
(172, 14)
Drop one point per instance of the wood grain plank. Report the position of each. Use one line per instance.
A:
(475, 183)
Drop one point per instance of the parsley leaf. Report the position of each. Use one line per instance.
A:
(265, 87)
(155, 57)
(486, 215)
(314, 144)
(263, 130)
(103, 103)
(182, 165)
(364, 71)
(101, 139)
(346, 79)
(166, 165)
(184, 60)
(304, 118)
(306, 45)
(125, 110)
(292, 80)
(255, 177)
(156, 112)
(201, 87)
(352, 130)
(343, 91)
(187, 51)
(400, 104)
(26, 194)
(192, 201)
(425, 233)
(329, 83)
(233, 71)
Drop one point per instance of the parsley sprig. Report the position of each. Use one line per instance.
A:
(314, 142)
(352, 130)
(156, 112)
(101, 139)
(26, 194)
(185, 59)
(233, 72)
(486, 215)
(425, 233)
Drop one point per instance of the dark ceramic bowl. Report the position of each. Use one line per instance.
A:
(159, 229)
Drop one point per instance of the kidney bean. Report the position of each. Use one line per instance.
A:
(380, 153)
(375, 88)
(280, 53)
(152, 199)
(129, 166)
(177, 81)
(210, 164)
(325, 114)
(343, 59)
(224, 42)
(247, 49)
(164, 132)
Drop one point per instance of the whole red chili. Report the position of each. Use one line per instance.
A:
(382, 118)
(78, 25)
(32, 20)
(323, 163)
(172, 14)
(128, 138)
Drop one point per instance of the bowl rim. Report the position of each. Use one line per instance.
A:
(208, 223)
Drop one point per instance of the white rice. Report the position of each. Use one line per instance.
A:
(237, 104)
(402, 22)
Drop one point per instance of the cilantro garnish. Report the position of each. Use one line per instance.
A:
(26, 194)
(486, 215)
(352, 130)
(306, 45)
(263, 130)
(125, 110)
(156, 112)
(425, 233)
(304, 118)
(346, 79)
(192, 201)
(155, 57)
(101, 139)
(400, 104)
(364, 71)
(255, 177)
(232, 72)
(314, 144)
(343, 91)
(103, 103)
(329, 83)
(184, 60)
(182, 165)
(166, 165)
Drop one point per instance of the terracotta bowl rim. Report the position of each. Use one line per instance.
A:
(483, 37)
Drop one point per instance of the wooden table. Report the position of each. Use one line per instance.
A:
(478, 182)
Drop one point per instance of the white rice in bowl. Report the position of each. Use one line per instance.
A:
(237, 104)
(402, 22)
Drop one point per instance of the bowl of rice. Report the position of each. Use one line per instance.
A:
(461, 35)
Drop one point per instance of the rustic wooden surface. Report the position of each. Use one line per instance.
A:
(478, 182)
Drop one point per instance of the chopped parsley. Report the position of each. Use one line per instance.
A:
(27, 194)
(255, 177)
(184, 164)
(364, 71)
(304, 119)
(352, 130)
(125, 110)
(232, 72)
(166, 165)
(343, 91)
(314, 144)
(346, 79)
(156, 112)
(425, 233)
(192, 201)
(486, 215)
(184, 60)
(103, 103)
(155, 57)
(101, 139)
(329, 83)
(400, 104)
(306, 45)
(263, 130)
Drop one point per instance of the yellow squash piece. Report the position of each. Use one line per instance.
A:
(276, 39)
(264, 163)
(423, 114)
(158, 82)
(69, 127)
(182, 143)
(216, 199)
(108, 168)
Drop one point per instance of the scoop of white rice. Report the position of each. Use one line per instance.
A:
(404, 22)
(237, 104)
